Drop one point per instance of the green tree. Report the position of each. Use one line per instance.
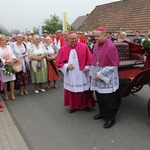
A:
(71, 27)
(53, 24)
(4, 31)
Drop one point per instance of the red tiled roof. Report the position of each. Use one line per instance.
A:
(126, 15)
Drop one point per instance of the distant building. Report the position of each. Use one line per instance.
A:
(125, 15)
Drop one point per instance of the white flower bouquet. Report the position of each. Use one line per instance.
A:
(8, 69)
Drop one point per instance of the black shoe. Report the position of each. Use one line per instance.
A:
(87, 109)
(109, 123)
(98, 116)
(72, 111)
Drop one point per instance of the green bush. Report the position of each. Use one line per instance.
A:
(146, 45)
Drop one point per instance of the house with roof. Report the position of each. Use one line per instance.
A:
(79, 21)
(123, 15)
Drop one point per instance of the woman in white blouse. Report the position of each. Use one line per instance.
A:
(7, 56)
(21, 52)
(52, 70)
(38, 65)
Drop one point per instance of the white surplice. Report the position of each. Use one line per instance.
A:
(57, 43)
(75, 80)
(109, 80)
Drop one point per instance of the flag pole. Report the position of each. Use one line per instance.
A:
(40, 30)
(64, 21)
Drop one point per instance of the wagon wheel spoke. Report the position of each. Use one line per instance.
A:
(136, 89)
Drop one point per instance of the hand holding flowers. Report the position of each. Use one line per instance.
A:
(8, 69)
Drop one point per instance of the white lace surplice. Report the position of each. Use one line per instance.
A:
(75, 80)
(109, 80)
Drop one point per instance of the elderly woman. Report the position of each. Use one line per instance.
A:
(123, 37)
(21, 52)
(38, 65)
(52, 51)
(7, 56)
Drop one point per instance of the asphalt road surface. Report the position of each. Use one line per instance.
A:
(46, 124)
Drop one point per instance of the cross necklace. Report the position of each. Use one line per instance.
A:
(98, 56)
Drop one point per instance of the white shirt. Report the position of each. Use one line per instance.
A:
(50, 50)
(57, 43)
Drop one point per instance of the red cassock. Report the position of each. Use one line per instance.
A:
(79, 100)
(83, 40)
(64, 41)
(76, 100)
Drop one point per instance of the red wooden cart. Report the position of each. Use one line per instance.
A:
(134, 69)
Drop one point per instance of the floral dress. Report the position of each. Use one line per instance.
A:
(23, 77)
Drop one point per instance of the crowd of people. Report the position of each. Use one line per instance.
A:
(89, 62)
(37, 60)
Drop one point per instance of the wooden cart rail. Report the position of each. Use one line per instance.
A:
(141, 79)
(128, 85)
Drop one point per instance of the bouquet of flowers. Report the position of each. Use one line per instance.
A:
(90, 45)
(8, 69)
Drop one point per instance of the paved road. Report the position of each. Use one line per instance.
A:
(46, 124)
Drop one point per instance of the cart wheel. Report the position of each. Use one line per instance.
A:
(136, 89)
(148, 108)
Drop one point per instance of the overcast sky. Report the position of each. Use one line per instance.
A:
(26, 14)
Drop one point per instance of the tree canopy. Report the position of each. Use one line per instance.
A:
(3, 30)
(53, 24)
